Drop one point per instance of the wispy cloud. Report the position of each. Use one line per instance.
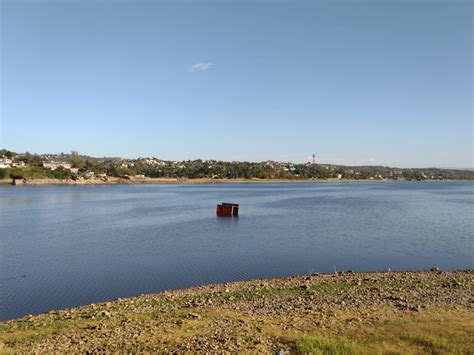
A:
(201, 66)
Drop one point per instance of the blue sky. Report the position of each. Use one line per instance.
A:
(355, 82)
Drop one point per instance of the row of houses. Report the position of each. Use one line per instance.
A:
(55, 165)
(10, 163)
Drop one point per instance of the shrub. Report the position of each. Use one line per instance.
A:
(3, 174)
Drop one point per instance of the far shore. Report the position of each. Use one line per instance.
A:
(118, 181)
(131, 181)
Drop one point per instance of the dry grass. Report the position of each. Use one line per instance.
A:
(169, 322)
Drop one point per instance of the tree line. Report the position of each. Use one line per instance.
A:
(190, 169)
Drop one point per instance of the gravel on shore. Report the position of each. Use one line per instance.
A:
(388, 312)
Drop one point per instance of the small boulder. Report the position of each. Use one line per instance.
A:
(105, 314)
(194, 315)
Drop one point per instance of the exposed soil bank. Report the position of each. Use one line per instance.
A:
(390, 312)
(115, 181)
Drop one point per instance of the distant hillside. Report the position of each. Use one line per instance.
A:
(73, 165)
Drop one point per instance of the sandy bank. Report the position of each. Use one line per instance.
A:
(116, 181)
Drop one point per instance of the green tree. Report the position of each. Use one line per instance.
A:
(77, 161)
(61, 173)
(17, 174)
(31, 159)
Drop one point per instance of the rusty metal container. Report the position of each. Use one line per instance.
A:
(226, 209)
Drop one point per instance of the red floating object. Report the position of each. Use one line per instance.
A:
(227, 210)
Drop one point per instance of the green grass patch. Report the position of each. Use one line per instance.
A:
(262, 293)
(147, 316)
(21, 325)
(86, 315)
(330, 287)
(430, 343)
(395, 321)
(3, 329)
(321, 346)
(155, 315)
(19, 340)
(382, 338)
(417, 339)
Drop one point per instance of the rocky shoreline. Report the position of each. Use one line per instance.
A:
(398, 312)
(131, 181)
(150, 181)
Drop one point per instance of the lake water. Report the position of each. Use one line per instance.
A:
(63, 246)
